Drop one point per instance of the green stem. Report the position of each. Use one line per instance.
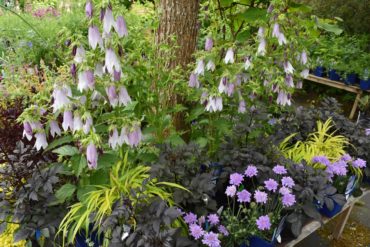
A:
(24, 20)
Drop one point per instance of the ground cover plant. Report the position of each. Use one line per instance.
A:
(139, 131)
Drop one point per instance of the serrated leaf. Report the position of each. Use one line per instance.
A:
(65, 192)
(58, 142)
(252, 15)
(66, 150)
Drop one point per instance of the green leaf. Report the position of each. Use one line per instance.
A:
(45, 232)
(195, 113)
(252, 15)
(58, 142)
(65, 192)
(176, 140)
(83, 191)
(131, 106)
(99, 177)
(202, 141)
(329, 27)
(225, 3)
(107, 160)
(66, 150)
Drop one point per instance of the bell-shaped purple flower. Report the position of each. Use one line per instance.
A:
(229, 58)
(54, 128)
(99, 70)
(116, 75)
(67, 121)
(247, 63)
(203, 97)
(27, 130)
(92, 156)
(289, 80)
(261, 32)
(112, 95)
(73, 70)
(210, 66)
(230, 89)
(283, 98)
(241, 108)
(193, 81)
(80, 54)
(123, 138)
(299, 84)
(208, 44)
(288, 68)
(61, 97)
(282, 39)
(111, 61)
(222, 87)
(261, 48)
(303, 57)
(87, 125)
(218, 103)
(276, 30)
(86, 81)
(270, 8)
(102, 14)
(77, 123)
(40, 141)
(200, 67)
(89, 9)
(108, 20)
(94, 37)
(121, 27)
(123, 96)
(114, 139)
(134, 136)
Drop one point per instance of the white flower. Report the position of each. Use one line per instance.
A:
(210, 66)
(305, 73)
(80, 54)
(99, 70)
(123, 96)
(262, 47)
(108, 21)
(229, 58)
(111, 61)
(86, 80)
(222, 87)
(114, 139)
(95, 37)
(288, 68)
(54, 128)
(61, 97)
(282, 39)
(77, 123)
(40, 141)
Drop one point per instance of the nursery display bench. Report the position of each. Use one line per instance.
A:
(337, 84)
(339, 227)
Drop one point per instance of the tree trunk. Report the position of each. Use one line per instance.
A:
(178, 27)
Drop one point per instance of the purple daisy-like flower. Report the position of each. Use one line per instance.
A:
(284, 190)
(359, 163)
(288, 200)
(211, 240)
(280, 170)
(271, 185)
(287, 182)
(236, 179)
(321, 159)
(213, 219)
(260, 197)
(190, 218)
(338, 168)
(196, 231)
(251, 171)
(346, 157)
(244, 196)
(263, 222)
(222, 229)
(230, 191)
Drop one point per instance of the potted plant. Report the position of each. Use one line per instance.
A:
(364, 80)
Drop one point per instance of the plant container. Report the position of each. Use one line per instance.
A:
(365, 84)
(94, 239)
(330, 213)
(259, 242)
(351, 79)
(333, 75)
(319, 71)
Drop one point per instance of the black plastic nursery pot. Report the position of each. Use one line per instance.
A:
(333, 75)
(365, 84)
(319, 71)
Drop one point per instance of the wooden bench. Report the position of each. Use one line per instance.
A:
(337, 231)
(340, 85)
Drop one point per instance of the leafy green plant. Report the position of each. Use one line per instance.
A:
(321, 142)
(126, 179)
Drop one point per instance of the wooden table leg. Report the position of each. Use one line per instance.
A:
(354, 107)
(343, 218)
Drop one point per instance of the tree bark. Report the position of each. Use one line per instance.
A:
(178, 28)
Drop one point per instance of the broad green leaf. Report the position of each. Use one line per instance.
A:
(65, 192)
(83, 191)
(58, 142)
(107, 160)
(252, 15)
(195, 113)
(131, 106)
(66, 150)
(329, 27)
(225, 3)
(176, 140)
(202, 141)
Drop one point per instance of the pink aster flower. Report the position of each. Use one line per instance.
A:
(244, 196)
(251, 171)
(288, 200)
(230, 191)
(271, 185)
(190, 218)
(287, 182)
(278, 169)
(346, 157)
(213, 219)
(284, 190)
(236, 179)
(260, 196)
(263, 222)
(211, 240)
(196, 231)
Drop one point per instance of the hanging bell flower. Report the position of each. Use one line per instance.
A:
(61, 97)
(94, 37)
(67, 121)
(108, 20)
(27, 130)
(40, 141)
(92, 156)
(121, 27)
(54, 128)
(193, 81)
(261, 48)
(114, 139)
(86, 81)
(123, 96)
(208, 44)
(112, 95)
(200, 67)
(229, 58)
(73, 70)
(89, 9)
(210, 66)
(87, 125)
(80, 54)
(111, 61)
(241, 108)
(77, 123)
